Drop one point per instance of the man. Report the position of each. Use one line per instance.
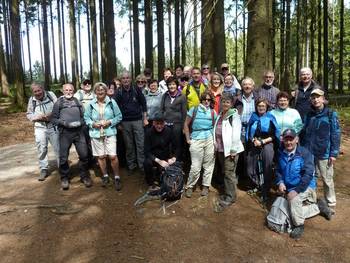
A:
(248, 100)
(39, 111)
(67, 114)
(187, 71)
(267, 90)
(295, 178)
(162, 84)
(225, 69)
(321, 135)
(194, 89)
(303, 91)
(132, 104)
(206, 74)
(85, 94)
(159, 150)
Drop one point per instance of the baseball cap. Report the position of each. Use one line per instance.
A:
(317, 92)
(289, 133)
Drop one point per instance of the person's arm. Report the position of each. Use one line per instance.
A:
(116, 113)
(307, 171)
(236, 134)
(55, 116)
(335, 137)
(30, 112)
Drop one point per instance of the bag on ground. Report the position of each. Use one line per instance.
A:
(172, 182)
(278, 219)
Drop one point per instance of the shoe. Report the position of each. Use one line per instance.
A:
(325, 211)
(297, 232)
(189, 192)
(87, 181)
(105, 181)
(224, 201)
(205, 191)
(117, 184)
(65, 184)
(43, 175)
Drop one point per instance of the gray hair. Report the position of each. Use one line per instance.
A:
(248, 79)
(306, 69)
(100, 84)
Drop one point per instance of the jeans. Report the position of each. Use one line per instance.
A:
(42, 137)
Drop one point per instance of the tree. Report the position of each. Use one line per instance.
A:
(135, 16)
(47, 66)
(73, 43)
(111, 64)
(341, 47)
(53, 44)
(325, 45)
(177, 32)
(94, 51)
(183, 34)
(170, 34)
(60, 43)
(149, 34)
(160, 38)
(5, 89)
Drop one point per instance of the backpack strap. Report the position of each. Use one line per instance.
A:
(77, 103)
(212, 116)
(194, 113)
(230, 119)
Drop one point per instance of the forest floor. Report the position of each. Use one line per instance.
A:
(42, 223)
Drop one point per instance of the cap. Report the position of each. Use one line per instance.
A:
(289, 133)
(147, 71)
(158, 117)
(317, 92)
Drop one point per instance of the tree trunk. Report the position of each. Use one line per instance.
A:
(131, 40)
(135, 18)
(219, 34)
(170, 35)
(102, 41)
(236, 38)
(325, 45)
(244, 40)
(64, 44)
(319, 43)
(40, 42)
(341, 48)
(259, 39)
(297, 57)
(160, 39)
(7, 36)
(195, 33)
(47, 66)
(111, 61)
(94, 51)
(149, 34)
(287, 48)
(282, 41)
(89, 37)
(73, 43)
(5, 89)
(313, 11)
(60, 47)
(274, 26)
(183, 32)
(80, 65)
(28, 40)
(53, 44)
(177, 32)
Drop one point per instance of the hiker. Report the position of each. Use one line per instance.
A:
(232, 85)
(206, 74)
(216, 87)
(267, 90)
(153, 98)
(101, 117)
(228, 145)
(167, 73)
(39, 111)
(262, 135)
(67, 114)
(198, 130)
(295, 178)
(321, 136)
(194, 89)
(160, 148)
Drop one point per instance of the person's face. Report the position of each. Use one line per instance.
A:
(269, 78)
(117, 84)
(305, 77)
(86, 87)
(226, 105)
(206, 101)
(228, 81)
(141, 83)
(290, 143)
(196, 75)
(126, 80)
(100, 93)
(167, 74)
(247, 87)
(153, 87)
(38, 92)
(110, 90)
(216, 81)
(178, 72)
(159, 125)
(206, 70)
(261, 108)
(317, 101)
(283, 103)
(68, 91)
(184, 83)
(225, 69)
(172, 87)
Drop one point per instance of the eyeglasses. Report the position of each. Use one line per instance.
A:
(140, 82)
(207, 99)
(269, 77)
(224, 68)
(205, 68)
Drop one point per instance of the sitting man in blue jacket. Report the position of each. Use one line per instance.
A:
(295, 177)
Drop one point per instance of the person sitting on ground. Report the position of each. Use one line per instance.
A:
(228, 145)
(39, 111)
(153, 99)
(295, 178)
(67, 114)
(321, 135)
(267, 90)
(198, 130)
(160, 148)
(101, 117)
(194, 90)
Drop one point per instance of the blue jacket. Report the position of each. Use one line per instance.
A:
(297, 172)
(111, 112)
(321, 133)
(264, 121)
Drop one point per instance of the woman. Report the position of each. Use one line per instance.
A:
(173, 108)
(216, 87)
(232, 85)
(184, 80)
(102, 116)
(287, 118)
(111, 88)
(198, 130)
(261, 136)
(228, 145)
(153, 99)
(141, 82)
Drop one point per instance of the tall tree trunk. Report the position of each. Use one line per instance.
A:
(244, 40)
(219, 34)
(313, 11)
(160, 39)
(341, 48)
(102, 41)
(183, 32)
(7, 40)
(16, 46)
(135, 18)
(325, 45)
(274, 26)
(60, 47)
(297, 57)
(94, 51)
(259, 40)
(282, 42)
(89, 37)
(195, 33)
(111, 65)
(28, 40)
(5, 89)
(149, 34)
(287, 48)
(319, 43)
(131, 40)
(73, 43)
(170, 35)
(53, 44)
(236, 38)
(47, 66)
(40, 42)
(177, 32)
(80, 67)
(64, 44)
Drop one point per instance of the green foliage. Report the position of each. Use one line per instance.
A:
(38, 72)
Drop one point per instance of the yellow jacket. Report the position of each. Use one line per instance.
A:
(191, 95)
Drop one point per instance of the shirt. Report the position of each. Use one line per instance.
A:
(203, 123)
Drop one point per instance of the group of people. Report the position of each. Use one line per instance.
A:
(206, 119)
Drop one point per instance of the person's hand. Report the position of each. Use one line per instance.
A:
(39, 117)
(189, 141)
(291, 195)
(293, 93)
(282, 188)
(145, 122)
(97, 125)
(257, 143)
(163, 163)
(331, 161)
(105, 124)
(171, 161)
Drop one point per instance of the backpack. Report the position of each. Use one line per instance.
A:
(48, 96)
(278, 219)
(172, 182)
(77, 104)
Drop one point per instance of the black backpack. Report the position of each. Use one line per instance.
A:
(172, 182)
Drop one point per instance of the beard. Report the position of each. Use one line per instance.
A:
(68, 96)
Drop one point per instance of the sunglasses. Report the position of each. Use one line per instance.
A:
(224, 68)
(140, 82)
(205, 68)
(207, 99)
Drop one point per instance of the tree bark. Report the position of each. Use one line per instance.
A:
(149, 34)
(94, 51)
(5, 89)
(102, 41)
(28, 40)
(80, 67)
(160, 34)
(7, 36)
(341, 48)
(319, 43)
(47, 66)
(89, 37)
(135, 18)
(287, 48)
(177, 32)
(325, 45)
(183, 32)
(73, 43)
(297, 57)
(111, 65)
(40, 42)
(131, 40)
(195, 34)
(60, 41)
(170, 35)
(313, 11)
(53, 45)
(282, 42)
(64, 44)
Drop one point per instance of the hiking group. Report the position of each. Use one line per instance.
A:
(208, 122)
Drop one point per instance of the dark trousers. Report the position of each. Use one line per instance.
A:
(85, 129)
(67, 138)
(178, 140)
(152, 171)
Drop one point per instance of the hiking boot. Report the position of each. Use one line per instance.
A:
(189, 192)
(224, 201)
(325, 211)
(117, 184)
(87, 181)
(65, 184)
(43, 175)
(297, 232)
(105, 181)
(205, 191)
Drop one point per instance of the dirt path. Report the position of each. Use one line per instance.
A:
(41, 223)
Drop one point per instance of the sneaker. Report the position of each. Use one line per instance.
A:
(297, 232)
(87, 181)
(117, 184)
(325, 211)
(205, 191)
(43, 175)
(65, 184)
(189, 192)
(105, 181)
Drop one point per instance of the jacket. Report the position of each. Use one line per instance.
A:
(174, 112)
(153, 101)
(322, 133)
(263, 123)
(288, 119)
(231, 132)
(296, 172)
(111, 112)
(193, 99)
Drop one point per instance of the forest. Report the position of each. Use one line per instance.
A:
(250, 35)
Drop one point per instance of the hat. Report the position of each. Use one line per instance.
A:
(317, 92)
(289, 133)
(158, 117)
(147, 71)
